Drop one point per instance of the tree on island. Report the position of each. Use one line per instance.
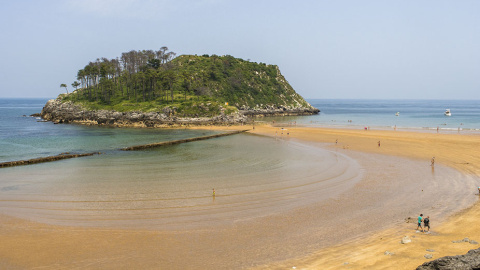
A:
(75, 85)
(64, 85)
(190, 85)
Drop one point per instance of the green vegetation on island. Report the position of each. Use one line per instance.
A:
(192, 85)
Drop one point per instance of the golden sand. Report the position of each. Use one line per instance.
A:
(30, 245)
(455, 150)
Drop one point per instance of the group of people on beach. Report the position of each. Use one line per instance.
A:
(426, 223)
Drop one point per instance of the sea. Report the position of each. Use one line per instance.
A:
(281, 197)
(25, 137)
(159, 182)
(418, 115)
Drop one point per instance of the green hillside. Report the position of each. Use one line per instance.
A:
(190, 85)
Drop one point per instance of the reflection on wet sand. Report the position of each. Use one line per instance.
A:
(275, 200)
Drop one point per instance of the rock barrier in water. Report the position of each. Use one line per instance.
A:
(131, 148)
(45, 159)
(159, 144)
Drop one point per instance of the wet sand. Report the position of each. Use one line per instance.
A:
(325, 234)
(459, 151)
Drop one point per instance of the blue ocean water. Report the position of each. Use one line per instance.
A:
(25, 137)
(413, 114)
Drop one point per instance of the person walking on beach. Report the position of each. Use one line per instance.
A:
(420, 222)
(433, 162)
(426, 223)
(213, 192)
(378, 143)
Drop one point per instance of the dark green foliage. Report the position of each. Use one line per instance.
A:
(194, 85)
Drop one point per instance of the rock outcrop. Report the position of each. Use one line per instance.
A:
(471, 260)
(268, 110)
(68, 112)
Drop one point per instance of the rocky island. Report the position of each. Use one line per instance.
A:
(156, 89)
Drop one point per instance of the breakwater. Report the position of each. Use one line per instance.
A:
(160, 144)
(130, 148)
(44, 159)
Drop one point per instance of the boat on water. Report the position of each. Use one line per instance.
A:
(447, 112)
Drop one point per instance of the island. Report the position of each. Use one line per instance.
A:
(156, 89)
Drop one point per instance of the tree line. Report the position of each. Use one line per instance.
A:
(161, 77)
(139, 75)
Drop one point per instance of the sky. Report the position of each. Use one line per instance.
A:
(342, 49)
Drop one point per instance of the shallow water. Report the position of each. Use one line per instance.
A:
(172, 186)
(275, 199)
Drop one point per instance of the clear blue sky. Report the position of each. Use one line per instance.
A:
(427, 49)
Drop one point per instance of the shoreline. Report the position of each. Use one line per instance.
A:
(60, 112)
(368, 251)
(453, 150)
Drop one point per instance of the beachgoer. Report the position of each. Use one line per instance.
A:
(336, 141)
(420, 222)
(213, 194)
(378, 143)
(433, 162)
(426, 223)
(478, 190)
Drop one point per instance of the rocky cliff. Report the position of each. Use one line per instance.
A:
(67, 112)
(57, 111)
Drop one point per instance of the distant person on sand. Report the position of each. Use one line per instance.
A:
(213, 192)
(420, 222)
(378, 143)
(433, 162)
(478, 190)
(426, 223)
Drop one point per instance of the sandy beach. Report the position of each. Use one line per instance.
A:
(454, 150)
(28, 244)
